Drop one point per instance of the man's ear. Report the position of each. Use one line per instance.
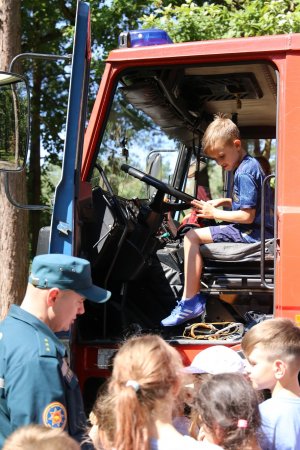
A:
(279, 369)
(52, 296)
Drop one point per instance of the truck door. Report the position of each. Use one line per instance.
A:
(62, 226)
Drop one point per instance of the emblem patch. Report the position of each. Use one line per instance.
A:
(235, 198)
(55, 415)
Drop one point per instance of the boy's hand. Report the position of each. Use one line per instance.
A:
(216, 202)
(204, 209)
(221, 202)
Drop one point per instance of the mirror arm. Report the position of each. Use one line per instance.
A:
(18, 205)
(37, 56)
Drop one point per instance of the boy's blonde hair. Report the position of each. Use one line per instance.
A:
(279, 338)
(220, 128)
(39, 437)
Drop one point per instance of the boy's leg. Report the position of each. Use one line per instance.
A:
(193, 262)
(192, 303)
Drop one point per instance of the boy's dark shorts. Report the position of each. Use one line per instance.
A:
(229, 233)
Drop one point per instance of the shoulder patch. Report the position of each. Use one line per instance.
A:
(55, 415)
(47, 346)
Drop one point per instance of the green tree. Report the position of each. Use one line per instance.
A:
(232, 18)
(47, 28)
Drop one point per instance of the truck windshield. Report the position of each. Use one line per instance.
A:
(132, 137)
(159, 110)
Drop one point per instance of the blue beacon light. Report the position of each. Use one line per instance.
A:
(144, 38)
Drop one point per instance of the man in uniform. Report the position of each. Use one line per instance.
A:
(36, 382)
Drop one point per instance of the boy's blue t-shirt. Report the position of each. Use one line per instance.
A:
(280, 428)
(247, 189)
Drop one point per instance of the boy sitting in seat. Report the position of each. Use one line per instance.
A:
(222, 143)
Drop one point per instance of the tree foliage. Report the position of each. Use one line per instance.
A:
(233, 18)
(47, 28)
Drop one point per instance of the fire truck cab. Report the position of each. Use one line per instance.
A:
(128, 180)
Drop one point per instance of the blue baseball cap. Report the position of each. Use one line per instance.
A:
(67, 273)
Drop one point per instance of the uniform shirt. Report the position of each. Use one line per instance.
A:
(36, 383)
(247, 189)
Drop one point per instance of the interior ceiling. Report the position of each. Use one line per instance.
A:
(182, 101)
(260, 111)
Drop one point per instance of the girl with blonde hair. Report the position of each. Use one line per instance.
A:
(136, 412)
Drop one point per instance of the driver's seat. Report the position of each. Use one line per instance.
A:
(237, 266)
(228, 267)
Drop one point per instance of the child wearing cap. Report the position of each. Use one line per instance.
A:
(210, 361)
(272, 348)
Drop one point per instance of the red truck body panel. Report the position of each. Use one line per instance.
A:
(283, 52)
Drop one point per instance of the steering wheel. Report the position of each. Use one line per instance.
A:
(161, 187)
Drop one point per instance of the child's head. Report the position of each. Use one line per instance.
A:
(147, 372)
(228, 411)
(39, 437)
(151, 363)
(211, 361)
(272, 348)
(221, 141)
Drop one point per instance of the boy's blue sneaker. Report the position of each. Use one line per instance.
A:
(185, 310)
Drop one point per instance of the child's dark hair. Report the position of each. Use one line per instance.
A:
(228, 408)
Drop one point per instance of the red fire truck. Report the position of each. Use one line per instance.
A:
(130, 175)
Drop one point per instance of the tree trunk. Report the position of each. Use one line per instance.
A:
(14, 222)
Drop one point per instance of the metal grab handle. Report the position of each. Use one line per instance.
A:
(262, 235)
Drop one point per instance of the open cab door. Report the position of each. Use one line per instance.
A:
(63, 218)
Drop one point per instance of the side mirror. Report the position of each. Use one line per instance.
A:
(14, 121)
(153, 168)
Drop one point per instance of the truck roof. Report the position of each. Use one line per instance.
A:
(240, 46)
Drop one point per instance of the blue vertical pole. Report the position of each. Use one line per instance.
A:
(62, 224)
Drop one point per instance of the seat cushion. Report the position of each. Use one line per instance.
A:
(232, 251)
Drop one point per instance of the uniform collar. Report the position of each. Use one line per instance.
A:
(20, 314)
